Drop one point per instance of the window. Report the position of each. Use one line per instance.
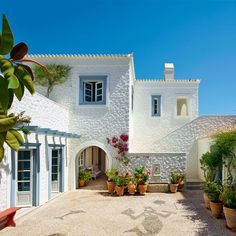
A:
(182, 107)
(92, 90)
(156, 105)
(81, 159)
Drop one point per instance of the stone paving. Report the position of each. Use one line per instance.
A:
(95, 212)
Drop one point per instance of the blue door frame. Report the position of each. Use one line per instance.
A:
(36, 173)
(61, 149)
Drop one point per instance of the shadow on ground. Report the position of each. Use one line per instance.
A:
(193, 203)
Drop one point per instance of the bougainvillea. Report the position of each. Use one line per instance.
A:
(121, 144)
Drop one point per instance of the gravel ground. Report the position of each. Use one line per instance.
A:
(95, 212)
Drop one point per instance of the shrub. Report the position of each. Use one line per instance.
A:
(229, 196)
(85, 175)
(214, 191)
(111, 174)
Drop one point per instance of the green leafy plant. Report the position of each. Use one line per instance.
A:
(174, 177)
(85, 175)
(214, 191)
(209, 162)
(120, 181)
(229, 196)
(142, 175)
(56, 74)
(14, 78)
(111, 174)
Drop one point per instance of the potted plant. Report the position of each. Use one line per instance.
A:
(142, 175)
(174, 182)
(181, 179)
(229, 200)
(132, 183)
(214, 192)
(205, 195)
(111, 175)
(120, 183)
(84, 176)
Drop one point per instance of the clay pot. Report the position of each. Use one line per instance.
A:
(131, 188)
(206, 201)
(173, 188)
(119, 190)
(110, 186)
(216, 209)
(230, 216)
(81, 182)
(142, 188)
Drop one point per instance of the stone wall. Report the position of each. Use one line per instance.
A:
(185, 139)
(162, 164)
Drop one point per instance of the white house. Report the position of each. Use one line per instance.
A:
(102, 98)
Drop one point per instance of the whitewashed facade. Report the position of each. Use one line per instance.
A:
(102, 98)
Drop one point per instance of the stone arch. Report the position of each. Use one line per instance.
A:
(73, 161)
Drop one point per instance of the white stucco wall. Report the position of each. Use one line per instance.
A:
(46, 114)
(148, 128)
(95, 122)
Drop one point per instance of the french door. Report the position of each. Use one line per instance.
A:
(24, 173)
(55, 171)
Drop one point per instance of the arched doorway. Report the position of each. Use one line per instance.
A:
(94, 159)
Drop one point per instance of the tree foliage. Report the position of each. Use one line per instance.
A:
(56, 74)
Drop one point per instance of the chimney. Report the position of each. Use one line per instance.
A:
(168, 71)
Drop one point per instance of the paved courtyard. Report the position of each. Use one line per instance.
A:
(95, 212)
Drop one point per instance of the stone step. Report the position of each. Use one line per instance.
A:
(194, 184)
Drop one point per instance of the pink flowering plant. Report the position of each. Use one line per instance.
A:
(142, 174)
(121, 144)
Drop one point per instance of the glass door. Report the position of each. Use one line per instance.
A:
(55, 171)
(24, 177)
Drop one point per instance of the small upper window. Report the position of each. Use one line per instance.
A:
(156, 105)
(182, 107)
(92, 89)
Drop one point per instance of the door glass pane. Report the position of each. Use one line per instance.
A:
(24, 155)
(23, 165)
(54, 153)
(55, 161)
(54, 177)
(23, 186)
(99, 85)
(54, 169)
(24, 175)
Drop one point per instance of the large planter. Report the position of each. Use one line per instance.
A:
(142, 188)
(81, 182)
(230, 216)
(119, 190)
(110, 186)
(173, 188)
(216, 209)
(206, 201)
(131, 188)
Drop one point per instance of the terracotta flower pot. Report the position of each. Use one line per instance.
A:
(206, 201)
(173, 188)
(110, 186)
(230, 216)
(81, 182)
(131, 188)
(142, 188)
(119, 190)
(216, 209)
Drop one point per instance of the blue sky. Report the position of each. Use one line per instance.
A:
(199, 37)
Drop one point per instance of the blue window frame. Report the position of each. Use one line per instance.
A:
(92, 90)
(156, 105)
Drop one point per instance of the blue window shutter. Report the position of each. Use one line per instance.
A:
(49, 172)
(62, 174)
